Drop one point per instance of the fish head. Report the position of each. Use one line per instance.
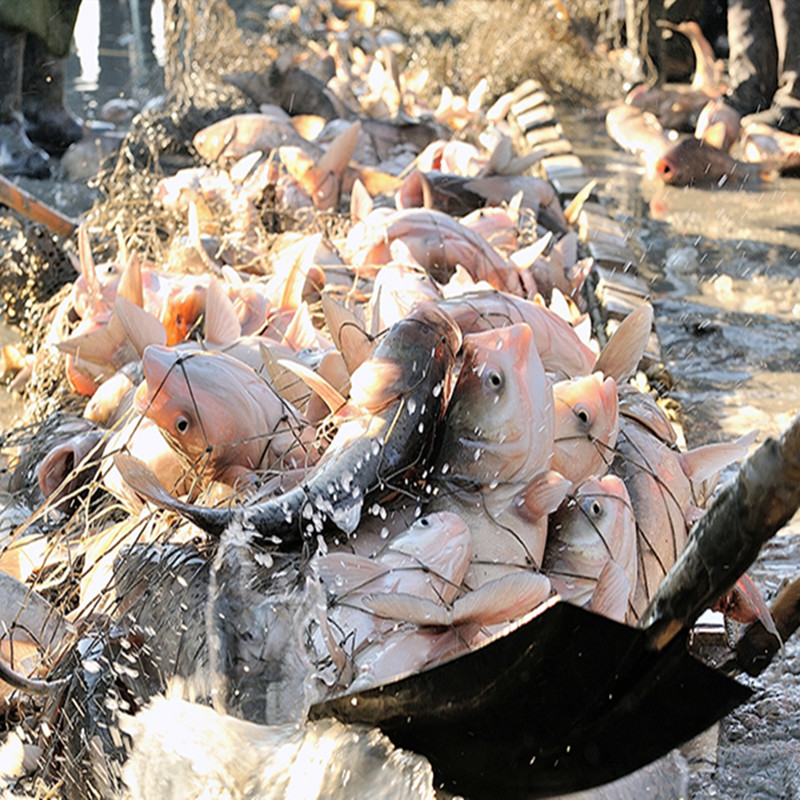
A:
(599, 513)
(499, 425)
(586, 425)
(441, 542)
(693, 161)
(183, 307)
(189, 400)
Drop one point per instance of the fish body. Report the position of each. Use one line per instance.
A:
(240, 134)
(557, 344)
(591, 556)
(771, 147)
(497, 438)
(638, 132)
(428, 561)
(406, 607)
(386, 430)
(661, 497)
(437, 241)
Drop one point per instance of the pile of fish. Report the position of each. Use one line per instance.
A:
(720, 151)
(406, 406)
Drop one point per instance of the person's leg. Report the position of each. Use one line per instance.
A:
(18, 155)
(784, 111)
(753, 62)
(48, 121)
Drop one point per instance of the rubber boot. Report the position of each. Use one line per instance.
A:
(18, 155)
(48, 121)
(784, 111)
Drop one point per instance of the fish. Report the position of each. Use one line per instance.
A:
(240, 134)
(495, 453)
(428, 561)
(220, 415)
(664, 485)
(557, 344)
(694, 162)
(591, 555)
(586, 426)
(458, 196)
(774, 148)
(406, 608)
(295, 90)
(62, 473)
(638, 132)
(438, 243)
(444, 633)
(386, 431)
(719, 124)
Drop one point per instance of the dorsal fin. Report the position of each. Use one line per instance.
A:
(88, 268)
(360, 202)
(333, 399)
(575, 206)
(130, 282)
(348, 333)
(624, 350)
(141, 327)
(524, 257)
(222, 326)
(292, 295)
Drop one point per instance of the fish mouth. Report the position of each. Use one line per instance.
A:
(665, 170)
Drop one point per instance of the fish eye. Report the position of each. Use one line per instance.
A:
(181, 424)
(582, 413)
(425, 522)
(493, 379)
(592, 507)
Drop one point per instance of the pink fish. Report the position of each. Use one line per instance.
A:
(664, 485)
(66, 468)
(219, 414)
(436, 240)
(557, 344)
(397, 399)
(405, 608)
(692, 162)
(496, 450)
(587, 424)
(428, 561)
(591, 556)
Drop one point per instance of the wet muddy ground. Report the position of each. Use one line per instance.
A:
(722, 268)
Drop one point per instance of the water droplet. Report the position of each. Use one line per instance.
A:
(384, 534)
(411, 405)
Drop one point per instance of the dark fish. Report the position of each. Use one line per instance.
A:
(294, 90)
(397, 398)
(694, 161)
